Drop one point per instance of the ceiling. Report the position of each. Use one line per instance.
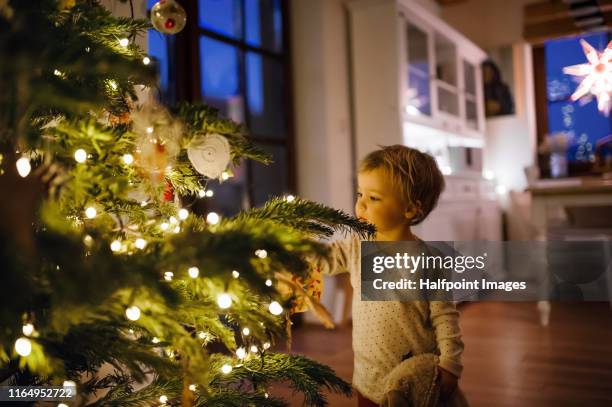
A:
(557, 18)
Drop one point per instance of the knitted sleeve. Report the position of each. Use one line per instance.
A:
(445, 319)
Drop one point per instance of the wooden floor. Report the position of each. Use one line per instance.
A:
(509, 359)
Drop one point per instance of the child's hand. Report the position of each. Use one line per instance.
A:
(448, 383)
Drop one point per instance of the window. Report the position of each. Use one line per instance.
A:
(232, 55)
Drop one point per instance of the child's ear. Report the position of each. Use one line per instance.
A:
(412, 210)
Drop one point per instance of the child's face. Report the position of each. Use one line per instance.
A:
(378, 202)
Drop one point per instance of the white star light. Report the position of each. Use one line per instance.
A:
(597, 76)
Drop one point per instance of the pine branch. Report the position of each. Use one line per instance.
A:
(309, 217)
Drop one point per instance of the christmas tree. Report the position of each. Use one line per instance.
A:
(110, 281)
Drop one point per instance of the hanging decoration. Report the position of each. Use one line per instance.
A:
(168, 17)
(209, 154)
(597, 76)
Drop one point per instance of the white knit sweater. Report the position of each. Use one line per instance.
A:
(384, 331)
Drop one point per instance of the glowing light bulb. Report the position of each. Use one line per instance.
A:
(254, 349)
(91, 212)
(150, 130)
(88, 240)
(164, 226)
(246, 331)
(202, 335)
(168, 275)
(194, 272)
(27, 329)
(155, 340)
(226, 369)
(212, 218)
(57, 72)
(201, 193)
(501, 189)
(290, 198)
(140, 243)
(113, 84)
(23, 166)
(241, 353)
(62, 405)
(124, 42)
(192, 387)
(262, 254)
(146, 60)
(68, 383)
(266, 345)
(183, 214)
(269, 283)
(275, 308)
(235, 274)
(173, 220)
(224, 301)
(132, 313)
(177, 229)
(23, 346)
(225, 175)
(163, 399)
(128, 159)
(80, 156)
(115, 246)
(210, 193)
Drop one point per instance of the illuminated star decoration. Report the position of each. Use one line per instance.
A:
(597, 75)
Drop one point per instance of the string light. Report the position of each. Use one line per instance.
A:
(27, 329)
(23, 346)
(192, 387)
(183, 214)
(201, 193)
(266, 345)
(225, 175)
(290, 198)
(128, 159)
(254, 349)
(91, 212)
(226, 369)
(140, 243)
(202, 335)
(155, 340)
(164, 226)
(80, 156)
(194, 272)
(23, 166)
(241, 353)
(173, 220)
(235, 274)
(209, 193)
(146, 60)
(150, 130)
(144, 203)
(212, 218)
(266, 395)
(224, 301)
(262, 254)
(168, 275)
(269, 283)
(132, 313)
(275, 308)
(115, 246)
(124, 42)
(246, 331)
(68, 383)
(57, 72)
(62, 405)
(177, 229)
(112, 84)
(163, 399)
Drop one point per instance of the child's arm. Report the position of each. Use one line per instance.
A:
(445, 320)
(342, 253)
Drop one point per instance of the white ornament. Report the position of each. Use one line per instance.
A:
(597, 76)
(209, 155)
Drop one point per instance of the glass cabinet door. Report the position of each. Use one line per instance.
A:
(418, 92)
(446, 75)
(471, 110)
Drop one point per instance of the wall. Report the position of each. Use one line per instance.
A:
(322, 114)
(510, 140)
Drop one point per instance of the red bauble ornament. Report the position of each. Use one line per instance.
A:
(169, 24)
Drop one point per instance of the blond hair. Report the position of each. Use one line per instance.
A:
(415, 176)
